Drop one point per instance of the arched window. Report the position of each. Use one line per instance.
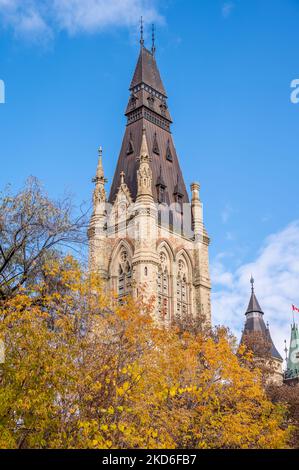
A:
(163, 286)
(182, 290)
(124, 275)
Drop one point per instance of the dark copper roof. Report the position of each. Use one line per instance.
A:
(148, 108)
(255, 324)
(253, 305)
(147, 72)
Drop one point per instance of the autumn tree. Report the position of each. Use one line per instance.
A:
(289, 396)
(261, 348)
(32, 226)
(82, 371)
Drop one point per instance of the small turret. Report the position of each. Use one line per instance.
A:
(256, 335)
(97, 228)
(99, 194)
(196, 210)
(291, 375)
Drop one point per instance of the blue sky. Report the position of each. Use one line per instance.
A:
(227, 67)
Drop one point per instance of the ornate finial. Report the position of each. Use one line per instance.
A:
(144, 173)
(153, 40)
(286, 350)
(100, 171)
(144, 153)
(99, 194)
(141, 32)
(252, 284)
(122, 177)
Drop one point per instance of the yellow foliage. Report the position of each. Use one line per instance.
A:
(84, 372)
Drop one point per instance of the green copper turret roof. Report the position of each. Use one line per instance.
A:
(292, 371)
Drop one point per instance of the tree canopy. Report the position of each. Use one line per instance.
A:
(31, 227)
(82, 371)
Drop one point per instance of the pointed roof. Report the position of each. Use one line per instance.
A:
(255, 323)
(147, 72)
(160, 180)
(147, 109)
(178, 189)
(253, 305)
(100, 169)
(144, 147)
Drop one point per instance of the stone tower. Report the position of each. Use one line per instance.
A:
(147, 234)
(256, 335)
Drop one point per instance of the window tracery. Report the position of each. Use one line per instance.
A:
(163, 283)
(182, 289)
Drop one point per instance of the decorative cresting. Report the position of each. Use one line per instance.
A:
(144, 173)
(164, 285)
(182, 289)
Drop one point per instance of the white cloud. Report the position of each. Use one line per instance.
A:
(226, 213)
(276, 273)
(23, 17)
(73, 16)
(227, 9)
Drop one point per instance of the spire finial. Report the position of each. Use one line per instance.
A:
(141, 32)
(252, 284)
(144, 147)
(153, 40)
(286, 350)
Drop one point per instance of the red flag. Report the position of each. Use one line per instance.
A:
(295, 309)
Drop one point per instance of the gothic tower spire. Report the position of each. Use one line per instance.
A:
(147, 108)
(153, 240)
(153, 40)
(256, 334)
(141, 32)
(292, 373)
